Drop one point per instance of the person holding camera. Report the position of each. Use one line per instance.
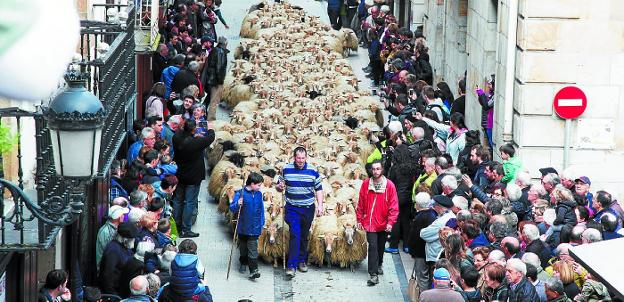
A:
(189, 146)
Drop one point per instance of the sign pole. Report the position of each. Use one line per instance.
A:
(566, 143)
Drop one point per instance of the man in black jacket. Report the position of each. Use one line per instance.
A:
(213, 76)
(185, 77)
(115, 257)
(520, 289)
(424, 217)
(189, 155)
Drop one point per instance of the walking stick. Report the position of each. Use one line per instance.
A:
(284, 228)
(234, 239)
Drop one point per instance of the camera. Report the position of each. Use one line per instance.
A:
(202, 124)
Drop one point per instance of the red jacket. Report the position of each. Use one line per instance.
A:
(375, 210)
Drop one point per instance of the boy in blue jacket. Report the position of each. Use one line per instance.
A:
(249, 201)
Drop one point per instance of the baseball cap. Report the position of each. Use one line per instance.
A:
(584, 179)
(443, 201)
(441, 274)
(114, 212)
(128, 230)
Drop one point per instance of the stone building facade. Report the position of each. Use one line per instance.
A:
(535, 48)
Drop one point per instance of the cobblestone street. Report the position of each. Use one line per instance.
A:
(318, 284)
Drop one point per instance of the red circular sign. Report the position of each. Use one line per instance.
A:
(570, 102)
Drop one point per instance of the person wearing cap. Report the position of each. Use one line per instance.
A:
(377, 212)
(442, 206)
(108, 231)
(581, 190)
(442, 289)
(117, 253)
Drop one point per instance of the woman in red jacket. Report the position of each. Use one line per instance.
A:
(377, 211)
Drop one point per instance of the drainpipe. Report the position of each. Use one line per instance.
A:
(510, 71)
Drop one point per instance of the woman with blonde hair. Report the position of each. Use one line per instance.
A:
(564, 270)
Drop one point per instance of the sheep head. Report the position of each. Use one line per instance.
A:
(349, 231)
(328, 239)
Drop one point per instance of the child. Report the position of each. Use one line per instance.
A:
(164, 233)
(249, 201)
(511, 163)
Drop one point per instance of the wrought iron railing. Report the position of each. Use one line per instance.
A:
(36, 215)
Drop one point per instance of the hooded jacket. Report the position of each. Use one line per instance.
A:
(511, 168)
(565, 213)
(377, 208)
(429, 234)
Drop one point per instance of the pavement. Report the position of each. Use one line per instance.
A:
(318, 284)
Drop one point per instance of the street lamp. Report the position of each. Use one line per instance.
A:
(75, 119)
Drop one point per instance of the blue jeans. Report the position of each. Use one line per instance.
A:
(184, 205)
(299, 219)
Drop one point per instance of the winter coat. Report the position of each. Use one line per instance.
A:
(402, 174)
(455, 142)
(524, 291)
(480, 179)
(565, 213)
(480, 240)
(511, 168)
(441, 294)
(334, 4)
(138, 298)
(459, 105)
(105, 235)
(168, 295)
(487, 103)
(252, 214)
(377, 209)
(185, 279)
(540, 249)
(424, 70)
(114, 259)
(189, 155)
(430, 235)
(423, 179)
(216, 66)
(183, 79)
(423, 219)
(133, 151)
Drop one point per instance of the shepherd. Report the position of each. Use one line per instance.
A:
(303, 197)
(248, 201)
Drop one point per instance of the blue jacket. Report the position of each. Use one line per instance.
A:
(480, 179)
(480, 240)
(116, 189)
(185, 280)
(167, 134)
(138, 298)
(133, 151)
(167, 77)
(168, 169)
(252, 216)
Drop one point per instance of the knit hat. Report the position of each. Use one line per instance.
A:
(114, 212)
(441, 274)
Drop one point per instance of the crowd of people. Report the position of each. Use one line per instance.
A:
(478, 229)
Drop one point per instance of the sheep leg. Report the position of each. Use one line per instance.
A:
(328, 257)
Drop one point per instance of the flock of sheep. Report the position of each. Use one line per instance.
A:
(290, 86)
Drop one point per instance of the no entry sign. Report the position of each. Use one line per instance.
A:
(570, 102)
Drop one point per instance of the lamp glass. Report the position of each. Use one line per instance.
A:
(76, 153)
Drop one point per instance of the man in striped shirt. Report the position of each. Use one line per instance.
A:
(304, 198)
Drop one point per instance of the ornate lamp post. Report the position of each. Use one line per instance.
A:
(75, 119)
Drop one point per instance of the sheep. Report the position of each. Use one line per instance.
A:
(325, 233)
(353, 248)
(236, 94)
(221, 173)
(273, 241)
(227, 194)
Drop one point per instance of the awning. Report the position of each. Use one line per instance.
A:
(603, 261)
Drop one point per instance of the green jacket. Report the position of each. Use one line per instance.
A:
(105, 235)
(376, 155)
(511, 168)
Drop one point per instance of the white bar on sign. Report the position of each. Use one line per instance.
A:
(570, 102)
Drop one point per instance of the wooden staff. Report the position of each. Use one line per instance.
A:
(235, 237)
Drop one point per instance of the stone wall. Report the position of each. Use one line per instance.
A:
(560, 44)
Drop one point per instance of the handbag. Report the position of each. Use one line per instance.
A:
(413, 291)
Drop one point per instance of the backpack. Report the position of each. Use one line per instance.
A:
(446, 116)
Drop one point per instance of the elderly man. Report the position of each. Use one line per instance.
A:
(520, 289)
(534, 260)
(169, 129)
(160, 60)
(115, 257)
(377, 212)
(609, 225)
(449, 185)
(441, 164)
(602, 205)
(511, 247)
(531, 236)
(425, 216)
(591, 235)
(497, 256)
(555, 290)
(187, 76)
(303, 197)
(138, 288)
(108, 231)
(550, 181)
(442, 205)
(442, 290)
(148, 138)
(581, 189)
